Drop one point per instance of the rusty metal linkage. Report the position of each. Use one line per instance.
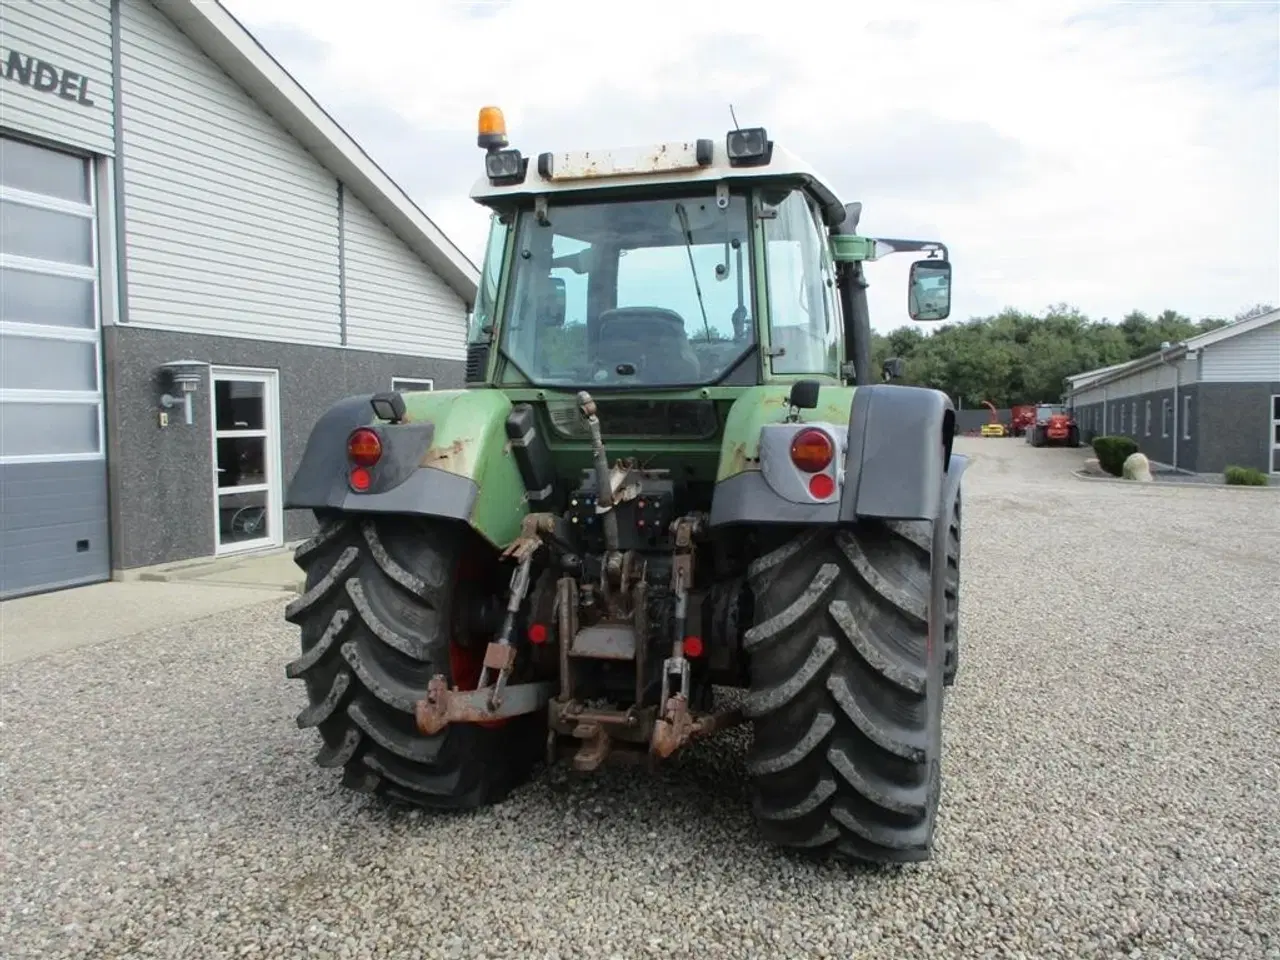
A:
(493, 699)
(604, 492)
(443, 706)
(678, 726)
(637, 728)
(594, 749)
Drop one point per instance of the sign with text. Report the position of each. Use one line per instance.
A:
(44, 76)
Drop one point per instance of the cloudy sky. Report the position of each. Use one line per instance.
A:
(1115, 155)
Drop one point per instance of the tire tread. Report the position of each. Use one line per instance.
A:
(374, 628)
(847, 720)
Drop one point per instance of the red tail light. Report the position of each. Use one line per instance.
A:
(364, 447)
(822, 486)
(360, 479)
(812, 450)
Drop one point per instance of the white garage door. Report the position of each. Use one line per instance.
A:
(53, 468)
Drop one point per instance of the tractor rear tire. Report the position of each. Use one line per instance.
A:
(951, 634)
(846, 693)
(379, 616)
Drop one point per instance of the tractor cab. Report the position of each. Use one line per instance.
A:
(680, 266)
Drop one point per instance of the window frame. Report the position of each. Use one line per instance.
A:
(826, 295)
(397, 383)
(490, 299)
(1273, 438)
(601, 288)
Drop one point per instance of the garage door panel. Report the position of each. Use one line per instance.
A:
(36, 429)
(40, 363)
(34, 169)
(53, 472)
(54, 525)
(27, 231)
(29, 296)
(51, 494)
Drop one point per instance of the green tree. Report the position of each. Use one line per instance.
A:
(1017, 357)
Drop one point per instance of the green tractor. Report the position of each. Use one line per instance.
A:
(671, 472)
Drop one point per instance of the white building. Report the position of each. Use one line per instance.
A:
(168, 193)
(1201, 405)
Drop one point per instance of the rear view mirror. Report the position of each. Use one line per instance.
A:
(551, 307)
(929, 290)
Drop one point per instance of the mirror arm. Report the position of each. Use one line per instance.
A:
(931, 247)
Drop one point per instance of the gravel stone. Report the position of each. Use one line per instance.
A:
(1112, 758)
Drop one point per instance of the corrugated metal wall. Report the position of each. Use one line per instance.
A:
(392, 302)
(55, 71)
(232, 225)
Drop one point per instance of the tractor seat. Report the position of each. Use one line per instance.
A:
(653, 339)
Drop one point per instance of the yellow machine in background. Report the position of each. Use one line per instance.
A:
(993, 428)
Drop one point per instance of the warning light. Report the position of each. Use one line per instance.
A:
(538, 633)
(359, 479)
(491, 129)
(693, 647)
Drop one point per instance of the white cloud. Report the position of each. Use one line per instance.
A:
(1114, 156)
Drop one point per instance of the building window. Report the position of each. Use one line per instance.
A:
(1123, 411)
(1166, 406)
(1146, 420)
(1186, 417)
(1133, 417)
(412, 384)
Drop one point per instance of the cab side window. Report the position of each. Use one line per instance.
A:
(801, 319)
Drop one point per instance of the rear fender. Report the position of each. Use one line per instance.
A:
(449, 459)
(899, 453)
(893, 459)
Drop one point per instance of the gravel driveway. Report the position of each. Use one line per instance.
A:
(1112, 768)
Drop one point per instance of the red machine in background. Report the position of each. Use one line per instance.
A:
(1023, 416)
(1054, 425)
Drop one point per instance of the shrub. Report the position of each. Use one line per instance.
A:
(1245, 476)
(1112, 453)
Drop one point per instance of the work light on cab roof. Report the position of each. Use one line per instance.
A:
(671, 470)
(506, 166)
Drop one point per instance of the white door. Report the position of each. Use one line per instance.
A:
(1275, 434)
(246, 459)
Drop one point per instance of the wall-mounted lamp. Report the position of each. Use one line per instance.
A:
(184, 376)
